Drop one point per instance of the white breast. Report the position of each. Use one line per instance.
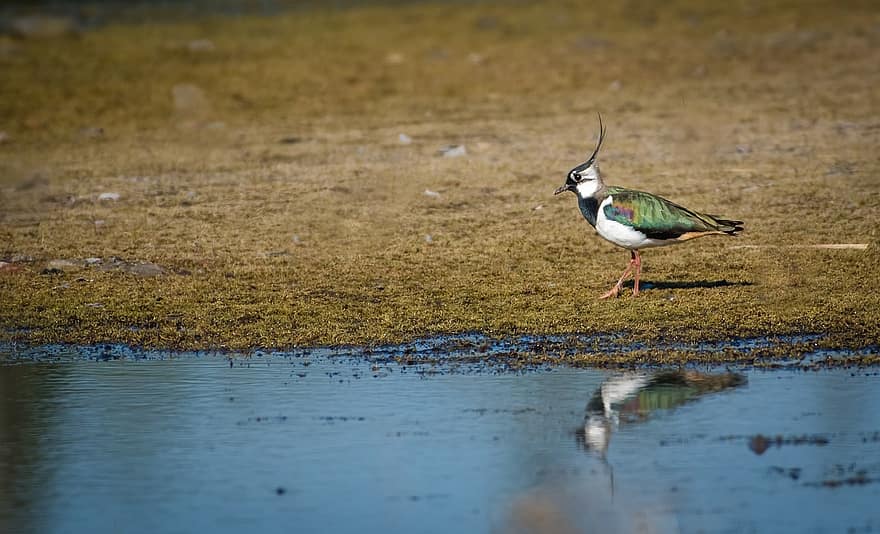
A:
(621, 234)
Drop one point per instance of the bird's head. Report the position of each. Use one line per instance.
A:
(585, 179)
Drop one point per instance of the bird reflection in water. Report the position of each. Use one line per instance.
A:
(631, 398)
(589, 504)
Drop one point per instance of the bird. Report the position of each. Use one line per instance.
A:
(632, 397)
(636, 220)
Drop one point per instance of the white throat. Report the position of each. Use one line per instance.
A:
(590, 182)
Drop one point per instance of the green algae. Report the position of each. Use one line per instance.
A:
(286, 212)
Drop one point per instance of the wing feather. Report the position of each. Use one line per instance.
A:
(657, 217)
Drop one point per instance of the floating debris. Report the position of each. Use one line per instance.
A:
(844, 475)
(342, 418)
(404, 139)
(793, 473)
(109, 196)
(856, 480)
(760, 443)
(432, 194)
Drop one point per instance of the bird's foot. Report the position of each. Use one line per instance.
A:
(613, 292)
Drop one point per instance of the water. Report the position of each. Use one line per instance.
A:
(326, 442)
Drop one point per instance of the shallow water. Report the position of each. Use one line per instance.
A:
(334, 442)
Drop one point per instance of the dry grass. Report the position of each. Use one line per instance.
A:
(769, 115)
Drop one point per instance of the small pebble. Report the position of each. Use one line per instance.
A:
(7, 267)
(453, 151)
(201, 45)
(188, 98)
(394, 58)
(143, 269)
(63, 265)
(476, 58)
(91, 132)
(42, 26)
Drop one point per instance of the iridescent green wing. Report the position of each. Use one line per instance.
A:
(654, 216)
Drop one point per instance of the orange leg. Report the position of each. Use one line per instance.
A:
(637, 258)
(635, 261)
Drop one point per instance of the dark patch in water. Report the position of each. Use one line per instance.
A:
(793, 473)
(845, 475)
(760, 443)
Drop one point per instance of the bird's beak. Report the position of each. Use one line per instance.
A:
(563, 189)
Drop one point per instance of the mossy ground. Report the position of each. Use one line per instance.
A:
(277, 194)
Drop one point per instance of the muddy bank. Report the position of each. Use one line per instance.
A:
(477, 353)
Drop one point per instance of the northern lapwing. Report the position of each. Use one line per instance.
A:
(633, 397)
(634, 219)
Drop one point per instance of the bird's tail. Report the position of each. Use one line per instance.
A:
(727, 226)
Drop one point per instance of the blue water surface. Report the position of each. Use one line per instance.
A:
(322, 442)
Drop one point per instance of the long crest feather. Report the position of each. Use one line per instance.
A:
(592, 157)
(574, 175)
